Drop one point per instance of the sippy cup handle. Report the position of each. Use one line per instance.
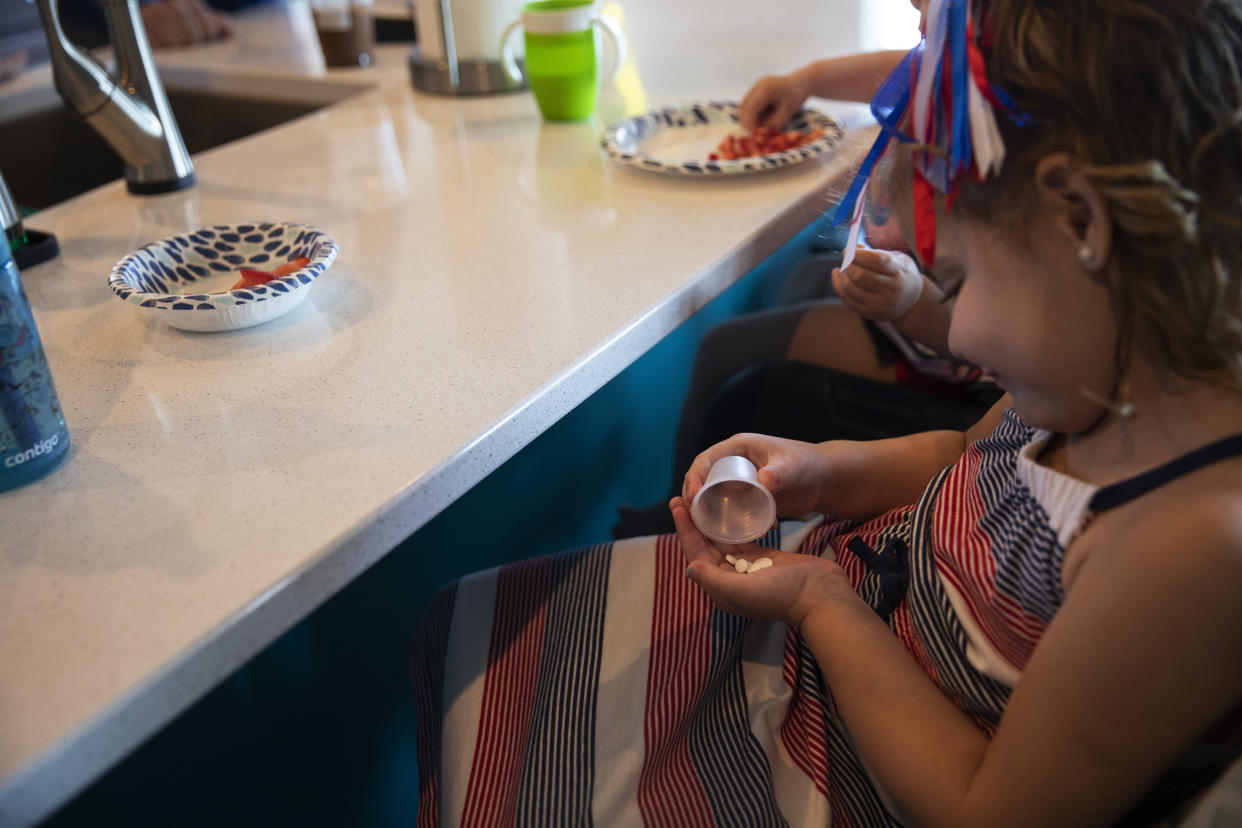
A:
(506, 53)
(617, 37)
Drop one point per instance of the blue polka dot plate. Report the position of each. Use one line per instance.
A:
(677, 140)
(186, 280)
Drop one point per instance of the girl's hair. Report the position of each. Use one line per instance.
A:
(1147, 95)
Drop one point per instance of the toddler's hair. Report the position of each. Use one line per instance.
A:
(1148, 95)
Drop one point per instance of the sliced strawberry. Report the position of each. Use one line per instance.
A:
(251, 277)
(763, 141)
(291, 266)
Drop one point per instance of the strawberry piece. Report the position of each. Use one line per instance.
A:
(763, 141)
(291, 266)
(251, 278)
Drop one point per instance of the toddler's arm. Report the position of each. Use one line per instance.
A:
(851, 77)
(773, 99)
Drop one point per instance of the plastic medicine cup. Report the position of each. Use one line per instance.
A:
(733, 507)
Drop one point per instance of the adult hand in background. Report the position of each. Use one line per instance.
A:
(183, 22)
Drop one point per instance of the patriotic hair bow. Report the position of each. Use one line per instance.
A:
(940, 93)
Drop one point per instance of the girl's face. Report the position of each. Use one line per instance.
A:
(1029, 312)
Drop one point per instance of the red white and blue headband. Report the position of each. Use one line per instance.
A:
(940, 92)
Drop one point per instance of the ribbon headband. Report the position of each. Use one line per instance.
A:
(940, 93)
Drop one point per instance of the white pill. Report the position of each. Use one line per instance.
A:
(741, 564)
(730, 559)
(762, 563)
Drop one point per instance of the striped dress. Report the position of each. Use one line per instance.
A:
(600, 686)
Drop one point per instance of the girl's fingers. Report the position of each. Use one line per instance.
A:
(769, 479)
(697, 473)
(748, 113)
(693, 545)
(780, 114)
(854, 297)
(872, 259)
(727, 587)
(714, 579)
(865, 279)
(757, 103)
(887, 263)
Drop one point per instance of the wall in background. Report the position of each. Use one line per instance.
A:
(889, 24)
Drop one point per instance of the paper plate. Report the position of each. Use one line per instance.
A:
(677, 140)
(184, 280)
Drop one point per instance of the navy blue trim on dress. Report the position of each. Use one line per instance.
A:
(1123, 491)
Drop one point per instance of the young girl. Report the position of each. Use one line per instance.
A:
(1051, 634)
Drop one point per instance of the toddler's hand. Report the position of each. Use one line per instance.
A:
(792, 471)
(880, 285)
(786, 591)
(771, 102)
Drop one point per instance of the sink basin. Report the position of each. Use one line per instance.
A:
(48, 156)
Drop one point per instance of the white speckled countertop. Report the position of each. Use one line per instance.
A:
(494, 272)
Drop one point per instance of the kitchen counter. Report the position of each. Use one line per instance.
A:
(494, 272)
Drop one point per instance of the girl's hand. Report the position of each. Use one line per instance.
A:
(786, 591)
(791, 470)
(771, 102)
(880, 285)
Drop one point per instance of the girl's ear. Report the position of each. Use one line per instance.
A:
(1077, 209)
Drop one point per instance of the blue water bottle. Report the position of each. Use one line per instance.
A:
(33, 436)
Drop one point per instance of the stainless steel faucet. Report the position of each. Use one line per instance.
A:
(129, 109)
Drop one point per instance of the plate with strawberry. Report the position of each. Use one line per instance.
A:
(225, 276)
(705, 139)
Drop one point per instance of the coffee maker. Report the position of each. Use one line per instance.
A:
(458, 51)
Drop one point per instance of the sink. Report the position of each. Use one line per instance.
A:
(47, 155)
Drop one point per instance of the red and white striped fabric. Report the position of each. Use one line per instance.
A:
(601, 687)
